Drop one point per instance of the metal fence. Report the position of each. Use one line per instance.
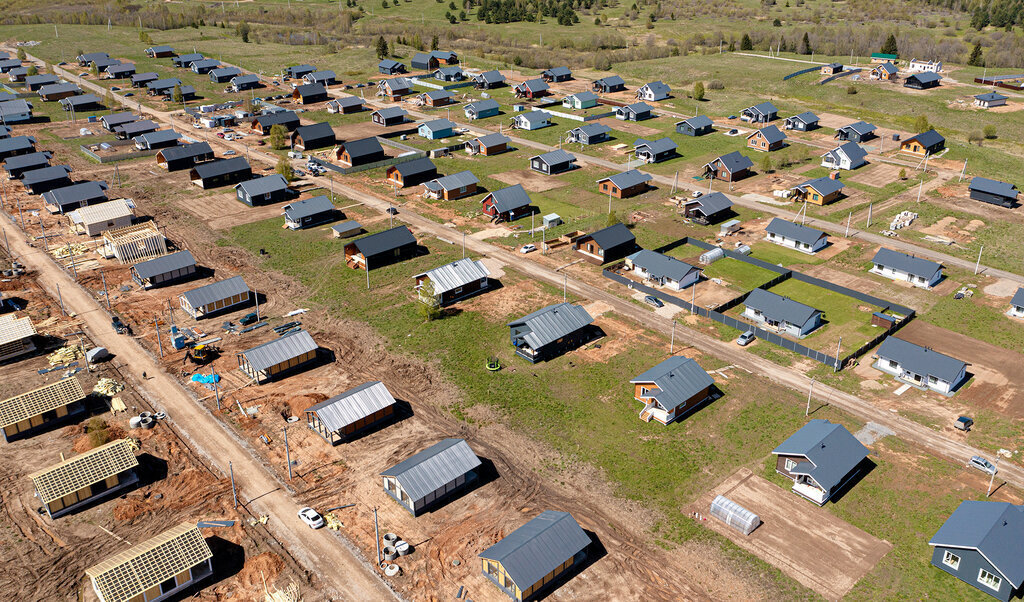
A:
(368, 166)
(800, 72)
(433, 86)
(118, 156)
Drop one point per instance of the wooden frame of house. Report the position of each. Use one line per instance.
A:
(284, 355)
(93, 220)
(16, 336)
(344, 416)
(42, 407)
(86, 478)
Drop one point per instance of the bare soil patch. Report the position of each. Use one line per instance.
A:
(531, 180)
(878, 175)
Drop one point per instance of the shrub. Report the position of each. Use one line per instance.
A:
(698, 90)
(715, 85)
(990, 132)
(851, 89)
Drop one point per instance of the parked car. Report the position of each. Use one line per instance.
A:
(983, 465)
(129, 94)
(114, 88)
(528, 248)
(249, 318)
(746, 338)
(963, 423)
(733, 132)
(228, 153)
(652, 300)
(83, 74)
(220, 134)
(311, 517)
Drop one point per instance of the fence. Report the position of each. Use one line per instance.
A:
(800, 72)
(842, 73)
(368, 166)
(570, 116)
(118, 156)
(433, 86)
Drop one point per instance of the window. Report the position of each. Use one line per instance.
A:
(951, 560)
(989, 580)
(893, 364)
(790, 464)
(168, 585)
(643, 391)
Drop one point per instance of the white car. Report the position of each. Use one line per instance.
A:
(311, 517)
(528, 248)
(228, 153)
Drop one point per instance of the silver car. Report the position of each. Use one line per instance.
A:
(983, 465)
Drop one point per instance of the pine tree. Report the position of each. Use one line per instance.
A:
(433, 43)
(976, 59)
(890, 45)
(745, 43)
(382, 47)
(698, 90)
(176, 95)
(805, 45)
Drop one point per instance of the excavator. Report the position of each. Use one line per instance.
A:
(203, 352)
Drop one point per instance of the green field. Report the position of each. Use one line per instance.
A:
(844, 316)
(738, 274)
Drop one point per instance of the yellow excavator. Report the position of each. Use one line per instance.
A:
(203, 352)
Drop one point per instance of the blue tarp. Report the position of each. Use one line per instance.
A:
(206, 378)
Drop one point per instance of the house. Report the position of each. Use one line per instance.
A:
(855, 132)
(262, 124)
(17, 165)
(533, 558)
(411, 173)
(607, 85)
(671, 389)
(113, 120)
(922, 81)
(990, 99)
(653, 91)
(848, 155)
(7, 65)
(86, 478)
(708, 208)
(5, 131)
(781, 314)
(831, 68)
(325, 77)
(159, 52)
(881, 57)
(606, 245)
(435, 129)
(590, 133)
(424, 61)
(918, 66)
(313, 136)
(625, 184)
(164, 270)
(298, 71)
(133, 244)
(432, 476)
(222, 172)
(481, 109)
(802, 122)
(449, 188)
(556, 74)
(308, 212)
(345, 105)
(389, 116)
(86, 59)
(982, 544)
(638, 111)
(284, 355)
(380, 249)
(491, 144)
(507, 204)
(553, 162)
(45, 179)
(390, 67)
(184, 156)
(920, 366)
(354, 411)
(449, 74)
(819, 191)
(488, 80)
(308, 94)
(155, 140)
(663, 270)
(34, 82)
(143, 79)
(204, 66)
(184, 61)
(993, 192)
(531, 120)
(449, 283)
(1017, 304)
(899, 266)
(249, 81)
(80, 194)
(923, 144)
(654, 151)
(121, 71)
(435, 98)
(821, 458)
(162, 87)
(12, 146)
(580, 100)
(795, 236)
(884, 72)
(550, 331)
(52, 92)
(93, 220)
(394, 89)
(16, 337)
(135, 128)
(82, 102)
(15, 111)
(346, 229)
(264, 190)
(41, 408)
(155, 569)
(695, 126)
(224, 74)
(18, 74)
(730, 167)
(760, 113)
(768, 138)
(359, 152)
(214, 297)
(532, 88)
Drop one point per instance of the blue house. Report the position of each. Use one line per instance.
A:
(438, 128)
(982, 544)
(481, 109)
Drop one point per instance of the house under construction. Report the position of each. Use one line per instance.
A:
(133, 244)
(85, 478)
(15, 336)
(24, 414)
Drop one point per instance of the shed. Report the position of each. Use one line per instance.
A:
(491, 144)
(411, 173)
(708, 208)
(132, 244)
(449, 188)
(607, 85)
(184, 156)
(346, 229)
(222, 172)
(163, 270)
(507, 204)
(900, 266)
(308, 212)
(695, 126)
(452, 282)
(381, 249)
(359, 152)
(625, 184)
(432, 476)
(672, 389)
(550, 331)
(93, 220)
(42, 407)
(553, 162)
(214, 297)
(821, 458)
(87, 477)
(993, 192)
(781, 314)
(663, 270)
(345, 105)
(313, 136)
(360, 408)
(795, 236)
(16, 336)
(590, 133)
(62, 200)
(919, 366)
(286, 354)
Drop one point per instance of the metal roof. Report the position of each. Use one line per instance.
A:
(677, 380)
(1003, 189)
(390, 112)
(353, 405)
(712, 203)
(397, 83)
(161, 48)
(137, 127)
(771, 133)
(347, 101)
(347, 226)
(76, 193)
(907, 263)
(220, 167)
(247, 78)
(456, 180)
(534, 116)
(698, 121)
(735, 161)
(990, 96)
(493, 139)
(921, 360)
(280, 350)
(851, 149)
(628, 179)
(797, 232)
(315, 89)
(41, 79)
(434, 467)
(592, 129)
(1018, 298)
(383, 242)
(548, 324)
(102, 212)
(638, 107)
(300, 70)
(538, 547)
(416, 166)
(611, 81)
(927, 139)
(662, 266)
(437, 94)
(388, 64)
(995, 529)
(659, 146)
(88, 57)
(455, 274)
(279, 118)
(205, 63)
(320, 75)
(42, 399)
(831, 450)
(186, 59)
(508, 198)
(13, 328)
(59, 89)
(148, 76)
(825, 186)
(658, 88)
(184, 151)
(225, 72)
(888, 68)
(806, 117)
(613, 236)
(861, 127)
(483, 105)
(264, 185)
(925, 77)
(533, 85)
(115, 119)
(30, 160)
(362, 147)
(80, 100)
(158, 136)
(308, 207)
(164, 265)
(437, 125)
(449, 70)
(762, 108)
(557, 71)
(45, 174)
(779, 308)
(84, 469)
(4, 130)
(16, 143)
(164, 84)
(555, 157)
(150, 563)
(215, 291)
(16, 106)
(491, 77)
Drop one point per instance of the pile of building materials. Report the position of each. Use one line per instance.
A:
(902, 220)
(69, 250)
(108, 387)
(64, 355)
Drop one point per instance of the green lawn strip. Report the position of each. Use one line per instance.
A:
(844, 316)
(978, 320)
(738, 274)
(779, 255)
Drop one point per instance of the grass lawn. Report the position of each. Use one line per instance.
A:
(844, 316)
(738, 274)
(978, 320)
(779, 255)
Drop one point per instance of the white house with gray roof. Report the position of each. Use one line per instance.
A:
(671, 389)
(795, 236)
(431, 476)
(919, 366)
(820, 458)
(531, 120)
(900, 266)
(982, 544)
(781, 314)
(1017, 304)
(653, 91)
(663, 270)
(848, 155)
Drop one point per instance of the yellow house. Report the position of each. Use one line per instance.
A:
(97, 473)
(49, 403)
(819, 191)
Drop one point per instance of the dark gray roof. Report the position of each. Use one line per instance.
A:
(628, 179)
(390, 112)
(59, 89)
(158, 136)
(921, 360)
(315, 89)
(4, 130)
(436, 125)
(18, 106)
(264, 185)
(16, 143)
(779, 308)
(927, 139)
(277, 118)
(996, 529)
(662, 266)
(852, 150)
(205, 63)
(322, 75)
(353, 405)
(279, 350)
(611, 81)
(347, 226)
(555, 157)
(455, 274)
(437, 94)
(164, 84)
(148, 76)
(677, 380)
(388, 64)
(45, 174)
(41, 79)
(592, 129)
(494, 139)
(1018, 298)
(906, 263)
(483, 105)
(491, 77)
(315, 131)
(89, 57)
(613, 236)
(300, 70)
(548, 324)
(80, 100)
(184, 151)
(996, 187)
(122, 68)
(434, 467)
(136, 127)
(164, 264)
(219, 167)
(28, 160)
(771, 133)
(396, 83)
(416, 166)
(534, 85)
(215, 291)
(825, 186)
(661, 145)
(187, 59)
(806, 117)
(456, 180)
(638, 107)
(926, 77)
(363, 147)
(698, 121)
(763, 108)
(509, 198)
(658, 87)
(347, 101)
(793, 231)
(538, 547)
(712, 203)
(861, 127)
(735, 161)
(247, 78)
(226, 72)
(161, 48)
(308, 207)
(990, 96)
(831, 450)
(887, 67)
(557, 71)
(116, 119)
(75, 193)
(385, 241)
(534, 116)
(449, 70)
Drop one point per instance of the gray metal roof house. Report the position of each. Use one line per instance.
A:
(185, 60)
(707, 208)
(287, 119)
(491, 144)
(821, 458)
(919, 366)
(580, 100)
(322, 76)
(982, 544)
(62, 200)
(729, 167)
(531, 120)
(310, 93)
(760, 113)
(1017, 304)
(298, 71)
(654, 151)
(457, 280)
(638, 111)
(802, 122)
(34, 82)
(17, 165)
(451, 73)
(355, 411)
(265, 190)
(590, 133)
(120, 71)
(432, 476)
(345, 104)
(663, 270)
(222, 172)
(922, 81)
(452, 187)
(859, 131)
(653, 91)
(141, 79)
(113, 120)
(380, 249)
(388, 116)
(204, 66)
(848, 155)
(390, 67)
(556, 74)
(607, 244)
(535, 558)
(184, 156)
(531, 88)
(214, 297)
(285, 354)
(481, 109)
(224, 74)
(605, 85)
(359, 152)
(248, 81)
(900, 266)
(308, 212)
(162, 270)
(795, 236)
(12, 146)
(157, 139)
(552, 162)
(781, 314)
(15, 110)
(768, 138)
(161, 87)
(924, 144)
(313, 136)
(550, 331)
(695, 126)
(45, 179)
(489, 79)
(411, 173)
(82, 102)
(136, 128)
(624, 184)
(993, 192)
(161, 51)
(671, 389)
(52, 92)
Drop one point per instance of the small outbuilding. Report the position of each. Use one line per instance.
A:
(214, 297)
(286, 354)
(348, 414)
(432, 476)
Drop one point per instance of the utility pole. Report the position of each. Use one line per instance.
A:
(869, 215)
(61, 301)
(963, 172)
(565, 285)
(920, 188)
(376, 534)
(366, 260)
(977, 264)
(849, 218)
(532, 226)
(156, 324)
(838, 347)
(106, 295)
(74, 269)
(672, 344)
(287, 454)
(992, 478)
(464, 245)
(256, 296)
(693, 297)
(234, 493)
(46, 242)
(807, 412)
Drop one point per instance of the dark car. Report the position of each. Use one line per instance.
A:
(248, 319)
(652, 300)
(129, 94)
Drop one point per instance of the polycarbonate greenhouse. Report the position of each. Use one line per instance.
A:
(734, 515)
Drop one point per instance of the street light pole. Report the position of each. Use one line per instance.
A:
(287, 453)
